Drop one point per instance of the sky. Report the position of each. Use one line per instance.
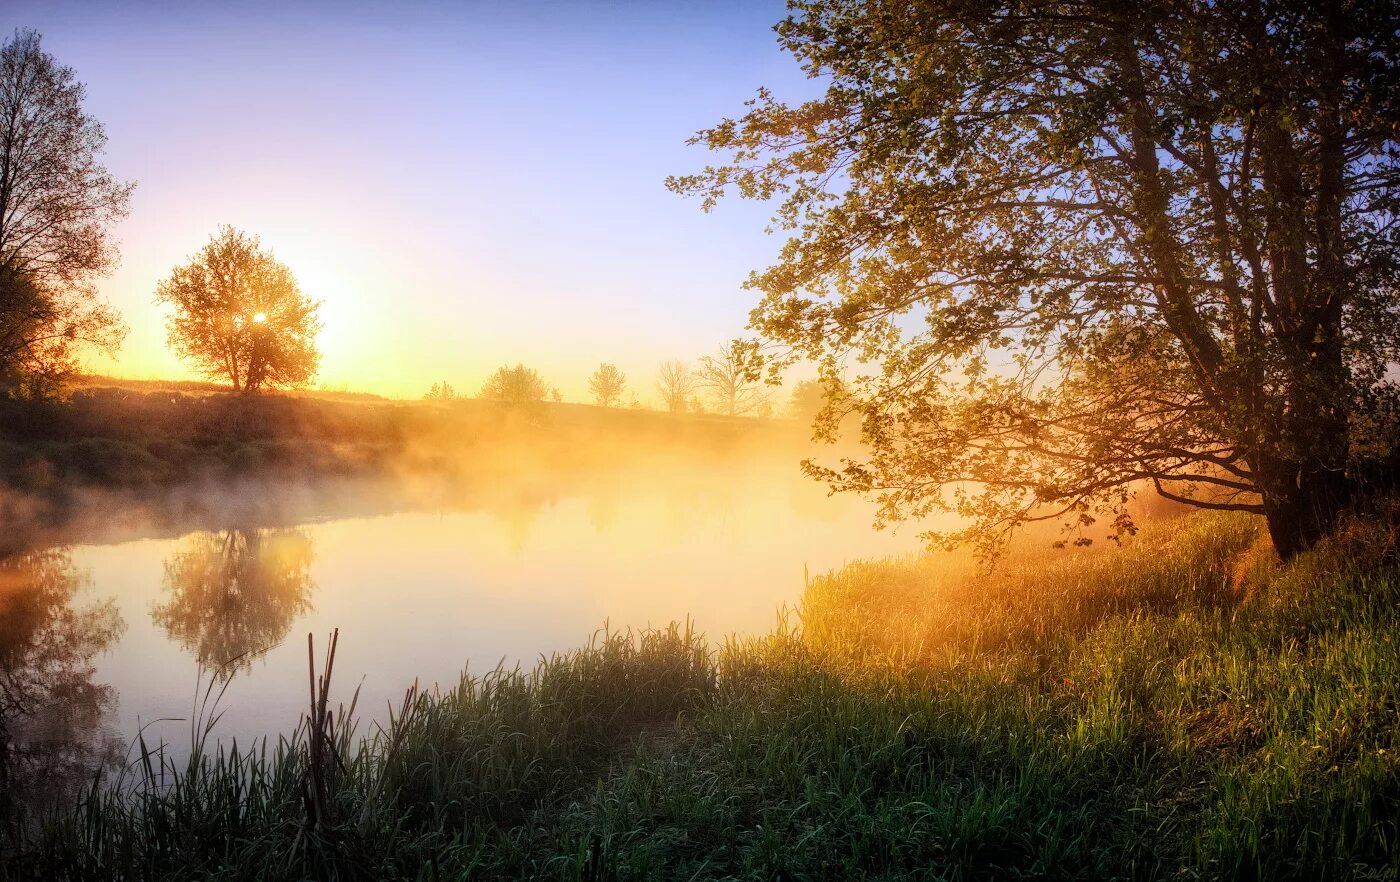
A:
(463, 185)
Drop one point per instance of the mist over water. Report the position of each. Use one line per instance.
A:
(425, 588)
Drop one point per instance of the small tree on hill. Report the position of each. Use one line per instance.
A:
(729, 383)
(515, 385)
(607, 384)
(239, 315)
(441, 392)
(676, 383)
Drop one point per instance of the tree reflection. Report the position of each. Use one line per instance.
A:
(234, 594)
(52, 733)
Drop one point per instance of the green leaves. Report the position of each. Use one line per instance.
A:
(1108, 216)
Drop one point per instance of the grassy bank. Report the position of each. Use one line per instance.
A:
(116, 446)
(1181, 707)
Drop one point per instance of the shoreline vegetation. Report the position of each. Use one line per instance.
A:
(139, 443)
(1182, 707)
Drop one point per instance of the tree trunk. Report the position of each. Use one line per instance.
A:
(1302, 503)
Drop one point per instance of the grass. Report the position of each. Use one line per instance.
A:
(143, 437)
(1184, 707)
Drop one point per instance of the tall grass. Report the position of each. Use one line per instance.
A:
(1182, 707)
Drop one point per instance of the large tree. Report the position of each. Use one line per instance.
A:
(57, 204)
(1085, 246)
(240, 316)
(607, 384)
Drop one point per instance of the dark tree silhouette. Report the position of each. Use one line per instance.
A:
(57, 204)
(1087, 244)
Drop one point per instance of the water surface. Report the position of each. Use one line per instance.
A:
(127, 630)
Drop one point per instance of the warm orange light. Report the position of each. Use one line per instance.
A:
(259, 317)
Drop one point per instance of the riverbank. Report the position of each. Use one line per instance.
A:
(1184, 705)
(148, 446)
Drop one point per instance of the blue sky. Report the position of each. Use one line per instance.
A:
(462, 184)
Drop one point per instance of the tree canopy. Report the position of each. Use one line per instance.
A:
(441, 391)
(1060, 249)
(240, 316)
(57, 204)
(515, 385)
(607, 384)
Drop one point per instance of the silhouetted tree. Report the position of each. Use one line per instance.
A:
(607, 384)
(515, 385)
(239, 315)
(441, 392)
(233, 595)
(729, 383)
(676, 383)
(1144, 242)
(57, 204)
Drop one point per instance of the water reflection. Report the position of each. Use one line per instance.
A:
(54, 719)
(233, 595)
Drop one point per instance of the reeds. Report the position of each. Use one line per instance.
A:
(1179, 708)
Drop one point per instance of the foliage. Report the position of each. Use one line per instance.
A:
(1185, 707)
(676, 383)
(515, 385)
(441, 392)
(57, 203)
(1078, 245)
(607, 384)
(240, 315)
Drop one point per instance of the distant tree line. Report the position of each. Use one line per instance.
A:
(720, 384)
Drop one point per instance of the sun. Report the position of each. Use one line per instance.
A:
(259, 317)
